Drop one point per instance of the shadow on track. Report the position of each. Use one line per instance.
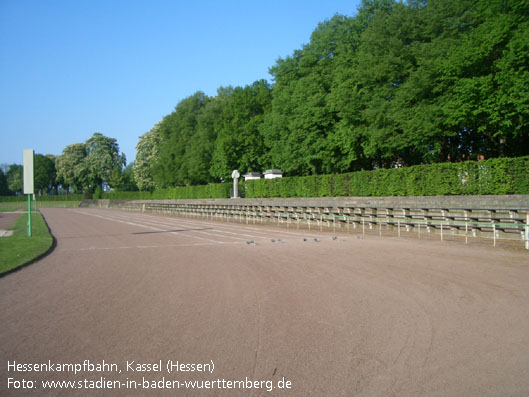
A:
(176, 230)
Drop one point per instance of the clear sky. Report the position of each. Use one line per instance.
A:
(69, 68)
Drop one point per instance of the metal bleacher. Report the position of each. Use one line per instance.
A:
(496, 224)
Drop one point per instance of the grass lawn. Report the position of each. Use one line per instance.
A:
(19, 249)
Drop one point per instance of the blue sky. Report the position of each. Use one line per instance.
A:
(69, 68)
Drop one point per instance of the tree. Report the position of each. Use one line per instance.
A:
(71, 171)
(15, 179)
(178, 131)
(147, 152)
(126, 179)
(300, 128)
(240, 144)
(4, 190)
(486, 83)
(45, 173)
(85, 166)
(405, 83)
(102, 163)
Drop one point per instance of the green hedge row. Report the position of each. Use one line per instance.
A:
(71, 197)
(214, 190)
(494, 176)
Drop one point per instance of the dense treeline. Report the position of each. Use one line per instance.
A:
(397, 84)
(205, 138)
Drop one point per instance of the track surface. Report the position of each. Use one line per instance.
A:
(339, 317)
(7, 219)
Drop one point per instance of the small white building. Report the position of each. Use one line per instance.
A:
(271, 174)
(250, 176)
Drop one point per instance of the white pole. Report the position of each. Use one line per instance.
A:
(494, 232)
(527, 232)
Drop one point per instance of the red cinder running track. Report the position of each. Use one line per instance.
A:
(236, 313)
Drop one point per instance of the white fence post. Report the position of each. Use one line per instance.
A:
(527, 232)
(494, 233)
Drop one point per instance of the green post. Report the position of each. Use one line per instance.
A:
(29, 181)
(29, 215)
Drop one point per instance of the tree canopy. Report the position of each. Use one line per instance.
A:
(86, 166)
(399, 83)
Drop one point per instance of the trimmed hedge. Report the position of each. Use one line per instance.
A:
(494, 176)
(214, 190)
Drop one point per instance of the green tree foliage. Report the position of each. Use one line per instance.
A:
(400, 83)
(102, 163)
(403, 83)
(14, 176)
(85, 166)
(486, 80)
(240, 144)
(4, 190)
(147, 152)
(179, 136)
(71, 171)
(314, 126)
(45, 173)
(126, 180)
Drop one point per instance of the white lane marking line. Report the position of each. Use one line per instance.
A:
(189, 232)
(254, 229)
(148, 227)
(220, 233)
(140, 247)
(219, 227)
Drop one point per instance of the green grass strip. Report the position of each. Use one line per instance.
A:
(19, 249)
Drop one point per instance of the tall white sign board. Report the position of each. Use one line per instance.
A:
(28, 172)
